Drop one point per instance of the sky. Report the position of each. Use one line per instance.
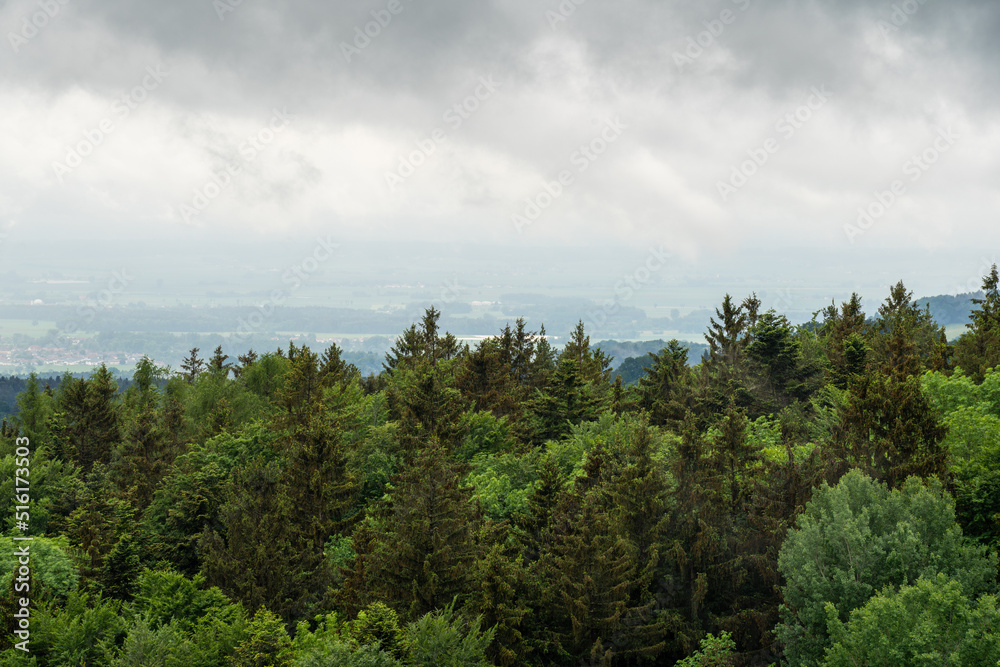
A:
(709, 130)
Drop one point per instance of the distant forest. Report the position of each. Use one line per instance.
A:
(816, 494)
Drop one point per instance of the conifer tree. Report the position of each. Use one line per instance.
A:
(333, 369)
(217, 364)
(427, 405)
(91, 418)
(192, 365)
(423, 552)
(260, 556)
(979, 348)
(246, 360)
(843, 333)
(666, 391)
(904, 338)
(889, 431)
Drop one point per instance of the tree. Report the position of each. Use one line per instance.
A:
(601, 556)
(569, 399)
(889, 430)
(424, 399)
(258, 556)
(333, 369)
(903, 339)
(423, 342)
(714, 652)
(979, 348)
(666, 390)
(416, 550)
(217, 364)
(929, 622)
(192, 365)
(443, 639)
(91, 417)
(856, 538)
(724, 372)
(782, 373)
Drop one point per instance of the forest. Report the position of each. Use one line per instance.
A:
(817, 494)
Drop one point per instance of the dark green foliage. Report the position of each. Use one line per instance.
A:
(511, 505)
(416, 551)
(888, 430)
(979, 348)
(91, 426)
(193, 365)
(258, 556)
(667, 391)
(577, 390)
(904, 339)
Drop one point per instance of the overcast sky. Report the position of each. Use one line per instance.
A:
(694, 125)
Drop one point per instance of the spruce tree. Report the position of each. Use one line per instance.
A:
(979, 348)
(422, 553)
(192, 365)
(665, 390)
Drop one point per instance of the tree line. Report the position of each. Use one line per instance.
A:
(824, 494)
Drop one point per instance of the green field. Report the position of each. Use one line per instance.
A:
(25, 327)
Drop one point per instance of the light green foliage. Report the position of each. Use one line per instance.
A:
(713, 652)
(149, 646)
(338, 552)
(267, 643)
(168, 597)
(930, 623)
(857, 537)
(339, 654)
(54, 484)
(53, 572)
(443, 639)
(192, 493)
(615, 434)
(946, 393)
(503, 484)
(265, 376)
(485, 434)
(972, 415)
(79, 633)
(330, 646)
(378, 625)
(329, 630)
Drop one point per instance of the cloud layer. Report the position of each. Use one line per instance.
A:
(739, 121)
